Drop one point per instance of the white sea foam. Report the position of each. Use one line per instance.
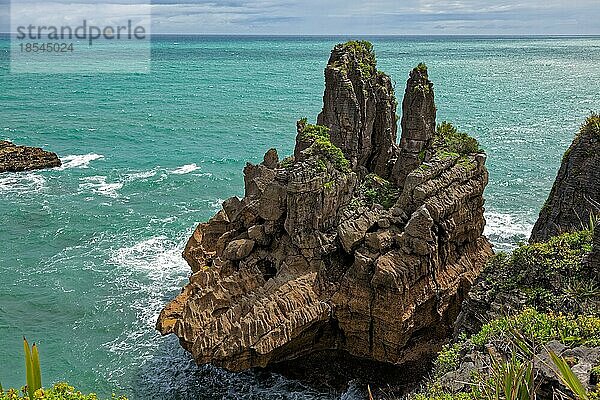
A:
(99, 185)
(216, 204)
(21, 182)
(146, 271)
(185, 169)
(79, 161)
(134, 176)
(505, 231)
(158, 257)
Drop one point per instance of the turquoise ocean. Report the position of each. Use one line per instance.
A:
(91, 251)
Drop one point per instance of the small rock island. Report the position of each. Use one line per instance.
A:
(15, 158)
(354, 244)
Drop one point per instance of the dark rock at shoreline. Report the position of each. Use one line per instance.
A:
(15, 158)
(576, 191)
(323, 253)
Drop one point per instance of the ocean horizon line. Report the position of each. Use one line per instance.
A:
(484, 36)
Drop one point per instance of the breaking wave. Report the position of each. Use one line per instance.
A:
(99, 185)
(506, 231)
(185, 169)
(78, 161)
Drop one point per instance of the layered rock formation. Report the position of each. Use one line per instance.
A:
(15, 158)
(576, 191)
(359, 108)
(325, 254)
(418, 123)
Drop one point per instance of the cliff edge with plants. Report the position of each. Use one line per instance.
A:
(530, 326)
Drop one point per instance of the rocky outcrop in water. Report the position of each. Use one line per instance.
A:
(325, 254)
(15, 158)
(576, 191)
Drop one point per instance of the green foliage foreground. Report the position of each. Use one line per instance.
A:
(60, 391)
(513, 377)
(33, 389)
(551, 275)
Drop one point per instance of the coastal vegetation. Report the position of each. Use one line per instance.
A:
(548, 277)
(377, 190)
(364, 55)
(60, 391)
(322, 145)
(449, 139)
(509, 366)
(33, 389)
(591, 125)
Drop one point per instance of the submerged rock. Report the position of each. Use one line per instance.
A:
(323, 253)
(576, 191)
(15, 158)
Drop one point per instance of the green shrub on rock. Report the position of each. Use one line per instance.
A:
(591, 126)
(321, 145)
(510, 341)
(376, 190)
(449, 139)
(552, 275)
(365, 56)
(447, 359)
(542, 328)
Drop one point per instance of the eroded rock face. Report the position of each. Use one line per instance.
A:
(576, 191)
(418, 123)
(360, 108)
(322, 254)
(15, 158)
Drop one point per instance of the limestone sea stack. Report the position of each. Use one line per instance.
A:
(576, 190)
(354, 244)
(15, 158)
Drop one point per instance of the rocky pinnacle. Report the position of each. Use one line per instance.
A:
(418, 123)
(359, 107)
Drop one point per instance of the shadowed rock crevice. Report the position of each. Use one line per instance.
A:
(327, 252)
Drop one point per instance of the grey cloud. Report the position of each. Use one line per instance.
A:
(357, 17)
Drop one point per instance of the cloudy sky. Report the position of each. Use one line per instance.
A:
(356, 17)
